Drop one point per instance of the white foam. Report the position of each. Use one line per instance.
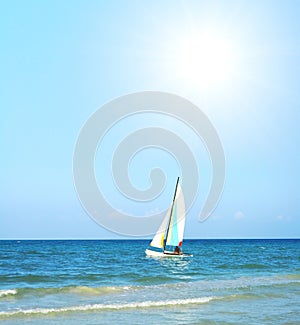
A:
(143, 304)
(8, 292)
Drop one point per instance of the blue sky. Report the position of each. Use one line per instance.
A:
(61, 61)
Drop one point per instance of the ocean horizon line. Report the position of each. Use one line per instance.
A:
(143, 239)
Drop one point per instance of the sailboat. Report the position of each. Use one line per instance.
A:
(167, 241)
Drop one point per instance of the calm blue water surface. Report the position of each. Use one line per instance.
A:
(99, 282)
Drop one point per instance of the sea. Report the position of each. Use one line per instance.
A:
(113, 282)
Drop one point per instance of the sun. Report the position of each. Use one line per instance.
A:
(205, 59)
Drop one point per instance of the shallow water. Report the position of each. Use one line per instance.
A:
(96, 282)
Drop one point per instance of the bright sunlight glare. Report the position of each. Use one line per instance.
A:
(205, 59)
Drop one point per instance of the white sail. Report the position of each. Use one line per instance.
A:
(177, 222)
(158, 239)
(172, 228)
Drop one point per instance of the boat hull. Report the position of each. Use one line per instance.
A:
(152, 253)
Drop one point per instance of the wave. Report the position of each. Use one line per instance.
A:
(146, 283)
(8, 292)
(243, 266)
(245, 283)
(95, 307)
(79, 290)
(295, 276)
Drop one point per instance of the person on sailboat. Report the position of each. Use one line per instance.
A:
(177, 250)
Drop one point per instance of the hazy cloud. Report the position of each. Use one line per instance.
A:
(282, 218)
(239, 215)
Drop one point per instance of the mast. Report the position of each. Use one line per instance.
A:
(171, 212)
